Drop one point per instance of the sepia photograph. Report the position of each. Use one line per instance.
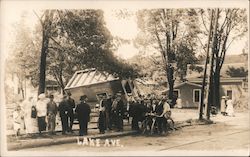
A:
(124, 78)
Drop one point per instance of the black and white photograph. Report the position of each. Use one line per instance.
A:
(124, 78)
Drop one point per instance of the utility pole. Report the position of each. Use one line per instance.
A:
(205, 70)
(211, 62)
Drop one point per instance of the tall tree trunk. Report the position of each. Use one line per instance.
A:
(44, 51)
(209, 94)
(170, 77)
(216, 90)
(205, 70)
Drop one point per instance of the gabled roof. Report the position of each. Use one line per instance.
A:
(89, 77)
(185, 83)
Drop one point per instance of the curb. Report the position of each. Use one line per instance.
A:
(48, 142)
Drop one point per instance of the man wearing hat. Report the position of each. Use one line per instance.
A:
(118, 107)
(51, 114)
(71, 106)
(83, 113)
(101, 119)
(108, 117)
(63, 111)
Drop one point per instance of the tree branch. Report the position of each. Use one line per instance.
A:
(203, 21)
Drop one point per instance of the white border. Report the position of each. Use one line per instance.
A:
(6, 4)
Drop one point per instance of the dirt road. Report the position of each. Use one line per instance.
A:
(228, 134)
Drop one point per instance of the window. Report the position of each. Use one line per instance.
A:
(196, 95)
(230, 94)
(176, 93)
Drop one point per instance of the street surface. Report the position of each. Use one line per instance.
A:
(228, 134)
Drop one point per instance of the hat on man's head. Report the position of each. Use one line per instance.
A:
(83, 97)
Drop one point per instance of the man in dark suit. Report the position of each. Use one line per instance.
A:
(119, 112)
(137, 112)
(83, 113)
(63, 111)
(108, 105)
(71, 106)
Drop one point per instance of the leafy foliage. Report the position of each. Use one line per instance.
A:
(172, 32)
(237, 72)
(78, 39)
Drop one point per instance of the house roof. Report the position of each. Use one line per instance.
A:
(194, 74)
(184, 83)
(89, 77)
(223, 79)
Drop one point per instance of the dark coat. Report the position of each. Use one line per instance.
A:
(108, 104)
(62, 108)
(70, 106)
(83, 111)
(137, 110)
(120, 108)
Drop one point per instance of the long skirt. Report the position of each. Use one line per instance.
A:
(101, 122)
(41, 123)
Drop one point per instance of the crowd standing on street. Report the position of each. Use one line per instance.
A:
(112, 110)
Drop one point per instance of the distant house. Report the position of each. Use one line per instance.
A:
(94, 83)
(190, 91)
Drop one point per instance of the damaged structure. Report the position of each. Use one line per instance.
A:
(93, 83)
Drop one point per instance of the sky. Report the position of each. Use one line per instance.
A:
(124, 28)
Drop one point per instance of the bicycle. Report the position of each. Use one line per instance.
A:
(150, 125)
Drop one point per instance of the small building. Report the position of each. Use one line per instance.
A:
(235, 87)
(190, 91)
(93, 83)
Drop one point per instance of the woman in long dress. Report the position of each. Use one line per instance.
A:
(30, 123)
(230, 108)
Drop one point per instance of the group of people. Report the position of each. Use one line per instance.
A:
(142, 106)
(112, 110)
(43, 112)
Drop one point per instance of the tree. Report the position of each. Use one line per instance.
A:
(23, 57)
(231, 26)
(69, 40)
(80, 40)
(173, 33)
(227, 26)
(93, 42)
(46, 33)
(237, 72)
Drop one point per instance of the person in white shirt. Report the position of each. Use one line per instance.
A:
(41, 108)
